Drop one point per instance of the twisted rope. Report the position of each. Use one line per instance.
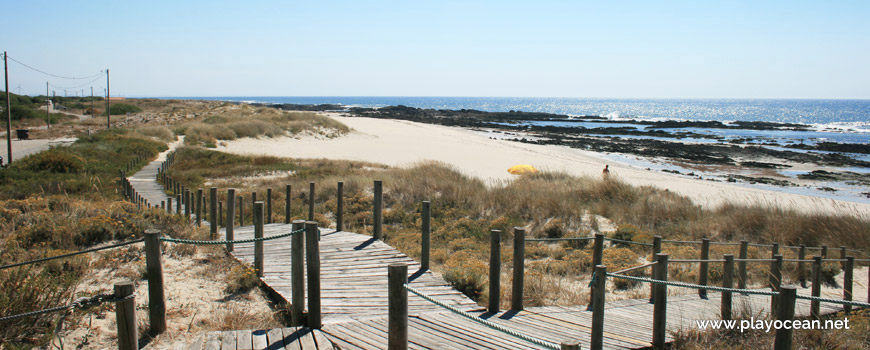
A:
(559, 239)
(71, 254)
(487, 323)
(627, 242)
(681, 242)
(834, 301)
(80, 303)
(694, 286)
(251, 240)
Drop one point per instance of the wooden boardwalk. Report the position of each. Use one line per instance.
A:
(354, 302)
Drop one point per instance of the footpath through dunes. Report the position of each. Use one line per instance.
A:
(355, 307)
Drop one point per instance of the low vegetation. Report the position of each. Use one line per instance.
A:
(246, 121)
(553, 205)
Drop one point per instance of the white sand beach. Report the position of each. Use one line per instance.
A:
(402, 143)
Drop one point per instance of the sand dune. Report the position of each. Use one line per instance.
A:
(403, 143)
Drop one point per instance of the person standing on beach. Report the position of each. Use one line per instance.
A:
(606, 172)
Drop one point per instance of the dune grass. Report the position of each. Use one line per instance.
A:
(247, 121)
(464, 210)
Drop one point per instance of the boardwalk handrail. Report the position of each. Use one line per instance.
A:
(222, 242)
(692, 285)
(67, 255)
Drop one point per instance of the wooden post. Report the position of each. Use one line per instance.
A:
(660, 308)
(213, 212)
(656, 249)
(178, 204)
(704, 268)
(816, 287)
(199, 207)
(397, 323)
(378, 232)
(231, 217)
(241, 210)
(310, 201)
(220, 214)
(774, 250)
(187, 204)
(125, 317)
(519, 268)
(494, 270)
(824, 252)
(154, 268)
(802, 273)
(775, 281)
(843, 257)
(741, 265)
(597, 336)
(169, 205)
(312, 248)
(268, 205)
(848, 268)
(287, 215)
(425, 239)
(258, 233)
(597, 257)
(787, 297)
(727, 282)
(339, 210)
(570, 344)
(297, 273)
(162, 205)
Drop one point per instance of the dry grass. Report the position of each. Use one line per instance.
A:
(464, 210)
(248, 121)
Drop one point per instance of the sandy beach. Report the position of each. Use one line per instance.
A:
(403, 143)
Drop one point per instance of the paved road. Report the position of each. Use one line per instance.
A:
(22, 148)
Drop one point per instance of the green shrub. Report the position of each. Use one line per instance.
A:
(122, 108)
(55, 160)
(241, 278)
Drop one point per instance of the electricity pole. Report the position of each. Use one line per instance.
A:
(108, 110)
(92, 103)
(47, 107)
(8, 113)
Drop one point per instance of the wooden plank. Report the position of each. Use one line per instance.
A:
(229, 340)
(323, 342)
(291, 338)
(275, 339)
(259, 340)
(212, 341)
(243, 340)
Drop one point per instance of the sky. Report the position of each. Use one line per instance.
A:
(622, 49)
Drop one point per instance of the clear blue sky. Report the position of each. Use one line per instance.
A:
(763, 49)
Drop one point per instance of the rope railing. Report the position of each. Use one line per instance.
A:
(691, 285)
(680, 242)
(484, 322)
(559, 239)
(762, 245)
(80, 303)
(725, 243)
(634, 268)
(695, 261)
(91, 250)
(834, 301)
(222, 242)
(754, 260)
(801, 260)
(627, 242)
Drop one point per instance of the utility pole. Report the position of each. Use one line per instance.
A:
(8, 112)
(108, 110)
(92, 103)
(47, 106)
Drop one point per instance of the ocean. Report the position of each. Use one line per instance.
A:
(842, 115)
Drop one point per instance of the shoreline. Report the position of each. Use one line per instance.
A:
(404, 143)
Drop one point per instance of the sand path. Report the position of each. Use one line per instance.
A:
(403, 143)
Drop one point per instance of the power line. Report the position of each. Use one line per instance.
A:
(53, 75)
(78, 86)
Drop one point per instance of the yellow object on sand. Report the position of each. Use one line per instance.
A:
(521, 169)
